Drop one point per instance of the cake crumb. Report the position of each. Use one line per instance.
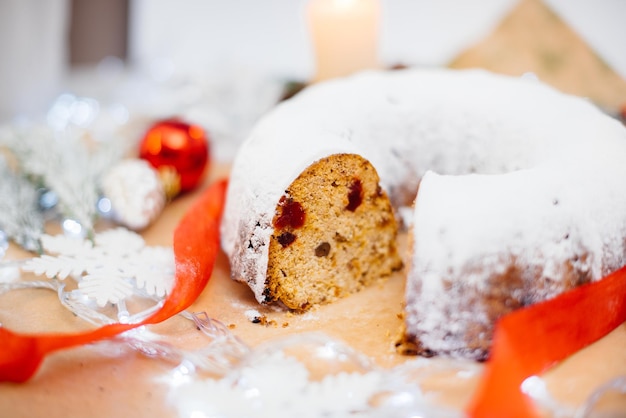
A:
(405, 347)
(256, 317)
(232, 326)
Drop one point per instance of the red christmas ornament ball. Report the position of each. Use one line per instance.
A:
(175, 145)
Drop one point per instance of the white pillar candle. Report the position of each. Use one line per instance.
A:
(344, 35)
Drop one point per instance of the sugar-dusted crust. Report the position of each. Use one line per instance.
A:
(521, 190)
(478, 308)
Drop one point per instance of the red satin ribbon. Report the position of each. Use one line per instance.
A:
(529, 341)
(196, 245)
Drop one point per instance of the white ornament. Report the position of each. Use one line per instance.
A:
(136, 193)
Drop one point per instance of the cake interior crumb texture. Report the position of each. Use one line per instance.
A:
(334, 232)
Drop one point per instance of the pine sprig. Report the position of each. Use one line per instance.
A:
(60, 163)
(66, 162)
(20, 218)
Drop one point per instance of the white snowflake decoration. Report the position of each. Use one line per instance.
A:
(277, 386)
(114, 267)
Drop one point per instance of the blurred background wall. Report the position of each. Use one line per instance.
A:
(42, 41)
(272, 34)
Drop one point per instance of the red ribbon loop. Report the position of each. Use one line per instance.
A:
(529, 341)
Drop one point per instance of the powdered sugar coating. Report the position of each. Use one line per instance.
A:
(511, 171)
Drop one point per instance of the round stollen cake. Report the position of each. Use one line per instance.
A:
(515, 190)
